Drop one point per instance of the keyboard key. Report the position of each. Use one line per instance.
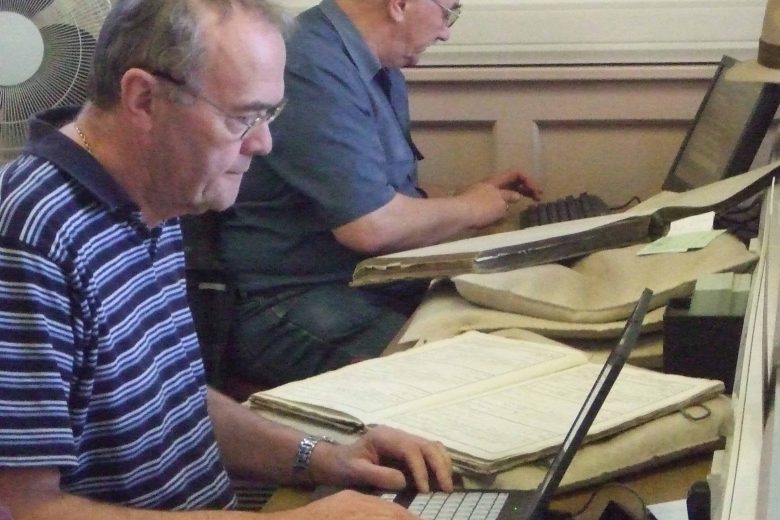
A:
(564, 209)
(458, 505)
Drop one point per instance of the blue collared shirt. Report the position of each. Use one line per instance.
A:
(341, 151)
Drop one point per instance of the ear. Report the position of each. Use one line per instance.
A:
(396, 9)
(137, 97)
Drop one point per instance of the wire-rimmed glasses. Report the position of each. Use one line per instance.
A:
(451, 14)
(236, 124)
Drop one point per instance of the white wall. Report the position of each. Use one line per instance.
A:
(544, 32)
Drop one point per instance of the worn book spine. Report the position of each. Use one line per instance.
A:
(647, 221)
(526, 254)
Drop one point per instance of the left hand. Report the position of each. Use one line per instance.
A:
(374, 459)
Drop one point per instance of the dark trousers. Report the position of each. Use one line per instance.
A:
(297, 333)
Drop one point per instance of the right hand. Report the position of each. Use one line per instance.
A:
(351, 505)
(380, 457)
(487, 203)
(518, 182)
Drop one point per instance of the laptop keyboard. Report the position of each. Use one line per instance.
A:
(564, 209)
(469, 505)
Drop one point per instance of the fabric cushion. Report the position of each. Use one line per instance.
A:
(603, 286)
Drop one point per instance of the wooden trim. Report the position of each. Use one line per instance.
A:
(514, 32)
(561, 73)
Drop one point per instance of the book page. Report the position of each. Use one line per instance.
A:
(525, 420)
(440, 371)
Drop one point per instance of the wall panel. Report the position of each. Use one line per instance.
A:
(611, 130)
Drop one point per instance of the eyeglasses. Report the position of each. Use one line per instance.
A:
(451, 15)
(236, 124)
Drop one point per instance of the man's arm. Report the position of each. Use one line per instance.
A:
(251, 446)
(408, 222)
(34, 494)
(256, 448)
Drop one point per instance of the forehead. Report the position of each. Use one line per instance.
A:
(243, 50)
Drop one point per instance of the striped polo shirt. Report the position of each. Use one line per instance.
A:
(100, 369)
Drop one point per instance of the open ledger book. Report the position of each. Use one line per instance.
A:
(494, 402)
(554, 242)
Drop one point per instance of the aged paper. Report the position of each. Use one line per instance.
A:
(516, 423)
(454, 367)
(492, 401)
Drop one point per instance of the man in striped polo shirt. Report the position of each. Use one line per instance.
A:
(104, 411)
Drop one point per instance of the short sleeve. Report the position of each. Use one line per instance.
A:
(338, 142)
(36, 361)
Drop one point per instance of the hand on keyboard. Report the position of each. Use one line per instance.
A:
(518, 182)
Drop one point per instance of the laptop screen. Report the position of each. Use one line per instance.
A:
(727, 131)
(591, 406)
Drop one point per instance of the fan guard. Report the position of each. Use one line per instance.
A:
(45, 58)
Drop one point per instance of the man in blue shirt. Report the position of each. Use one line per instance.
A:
(341, 185)
(104, 410)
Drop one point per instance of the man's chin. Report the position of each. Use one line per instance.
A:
(218, 203)
(411, 61)
(221, 204)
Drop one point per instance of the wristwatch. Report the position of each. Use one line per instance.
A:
(305, 449)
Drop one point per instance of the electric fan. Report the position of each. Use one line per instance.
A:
(46, 49)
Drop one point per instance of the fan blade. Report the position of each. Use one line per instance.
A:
(28, 8)
(69, 29)
(86, 15)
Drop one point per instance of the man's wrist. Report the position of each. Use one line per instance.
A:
(302, 462)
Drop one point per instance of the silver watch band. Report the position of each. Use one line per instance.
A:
(305, 449)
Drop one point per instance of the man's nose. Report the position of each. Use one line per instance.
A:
(258, 140)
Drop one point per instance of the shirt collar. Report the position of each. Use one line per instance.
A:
(47, 142)
(365, 60)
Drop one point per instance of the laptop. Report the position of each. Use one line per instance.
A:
(727, 131)
(524, 504)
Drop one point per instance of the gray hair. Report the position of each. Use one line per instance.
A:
(162, 35)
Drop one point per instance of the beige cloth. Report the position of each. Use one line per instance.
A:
(650, 444)
(645, 446)
(444, 313)
(603, 286)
